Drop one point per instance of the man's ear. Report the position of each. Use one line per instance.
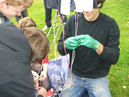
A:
(2, 3)
(99, 5)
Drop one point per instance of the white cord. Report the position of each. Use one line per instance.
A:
(76, 29)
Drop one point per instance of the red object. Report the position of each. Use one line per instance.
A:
(50, 93)
(44, 60)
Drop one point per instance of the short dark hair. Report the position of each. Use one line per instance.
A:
(100, 1)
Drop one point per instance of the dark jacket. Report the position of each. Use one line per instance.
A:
(1, 15)
(87, 62)
(16, 79)
(3, 18)
(56, 4)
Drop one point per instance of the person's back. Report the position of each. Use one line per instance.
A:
(15, 70)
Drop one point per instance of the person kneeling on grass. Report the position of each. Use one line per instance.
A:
(96, 46)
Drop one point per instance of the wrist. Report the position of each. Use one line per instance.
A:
(96, 46)
(44, 71)
(100, 49)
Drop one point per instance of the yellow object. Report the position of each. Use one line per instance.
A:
(69, 85)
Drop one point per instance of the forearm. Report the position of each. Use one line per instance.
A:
(45, 66)
(110, 54)
(100, 49)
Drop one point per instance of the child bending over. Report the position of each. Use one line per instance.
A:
(39, 44)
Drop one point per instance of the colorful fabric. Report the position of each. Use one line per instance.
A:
(58, 71)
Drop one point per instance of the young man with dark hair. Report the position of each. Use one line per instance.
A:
(94, 46)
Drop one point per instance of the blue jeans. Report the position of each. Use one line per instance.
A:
(96, 87)
(36, 93)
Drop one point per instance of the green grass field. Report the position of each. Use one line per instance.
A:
(119, 10)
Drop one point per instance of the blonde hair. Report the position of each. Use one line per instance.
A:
(26, 22)
(39, 43)
(25, 3)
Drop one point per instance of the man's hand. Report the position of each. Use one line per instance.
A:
(43, 75)
(87, 41)
(36, 79)
(81, 40)
(71, 43)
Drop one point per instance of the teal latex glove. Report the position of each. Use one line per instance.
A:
(71, 43)
(87, 41)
